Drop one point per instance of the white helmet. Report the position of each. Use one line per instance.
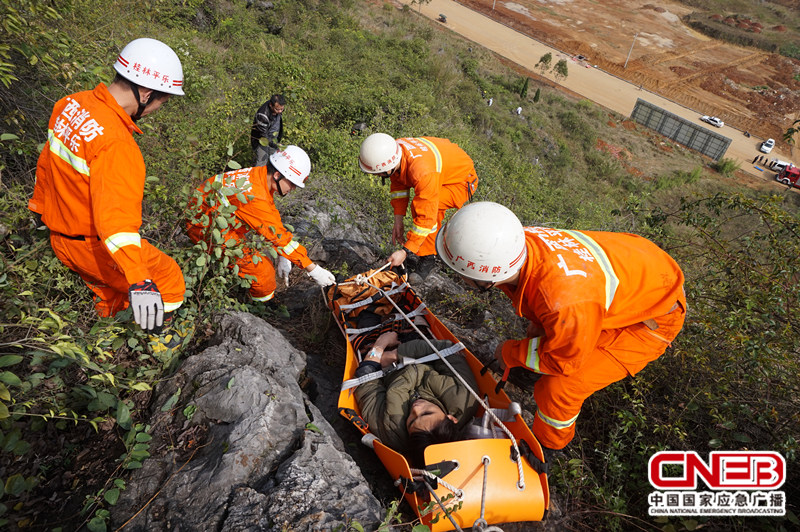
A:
(293, 164)
(483, 241)
(151, 64)
(379, 153)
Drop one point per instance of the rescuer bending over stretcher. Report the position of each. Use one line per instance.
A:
(419, 404)
(601, 305)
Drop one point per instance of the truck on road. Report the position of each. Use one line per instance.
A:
(789, 176)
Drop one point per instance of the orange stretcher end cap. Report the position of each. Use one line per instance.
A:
(506, 502)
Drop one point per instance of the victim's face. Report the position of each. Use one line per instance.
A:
(423, 416)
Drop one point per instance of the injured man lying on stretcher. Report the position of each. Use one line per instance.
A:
(419, 404)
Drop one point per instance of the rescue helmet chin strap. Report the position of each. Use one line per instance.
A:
(485, 288)
(481, 286)
(142, 106)
(278, 183)
(388, 175)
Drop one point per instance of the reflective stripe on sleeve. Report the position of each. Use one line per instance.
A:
(118, 241)
(532, 360)
(421, 231)
(612, 281)
(290, 248)
(399, 194)
(556, 424)
(265, 298)
(171, 307)
(60, 150)
(436, 153)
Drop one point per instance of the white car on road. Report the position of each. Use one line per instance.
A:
(778, 165)
(767, 145)
(713, 120)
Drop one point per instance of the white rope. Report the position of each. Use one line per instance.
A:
(480, 524)
(425, 473)
(362, 279)
(488, 410)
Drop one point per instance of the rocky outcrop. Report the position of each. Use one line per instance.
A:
(254, 453)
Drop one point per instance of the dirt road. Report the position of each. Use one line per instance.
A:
(592, 83)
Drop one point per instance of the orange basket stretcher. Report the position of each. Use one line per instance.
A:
(467, 483)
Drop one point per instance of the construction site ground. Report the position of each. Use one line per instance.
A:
(668, 64)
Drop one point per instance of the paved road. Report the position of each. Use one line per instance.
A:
(593, 84)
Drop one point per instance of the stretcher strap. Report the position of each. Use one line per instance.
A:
(355, 332)
(352, 383)
(373, 298)
(517, 456)
(455, 348)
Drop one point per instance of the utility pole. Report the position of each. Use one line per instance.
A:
(631, 50)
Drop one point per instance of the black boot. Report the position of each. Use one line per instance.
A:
(426, 265)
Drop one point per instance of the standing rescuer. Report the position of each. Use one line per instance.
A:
(601, 305)
(90, 185)
(443, 177)
(285, 171)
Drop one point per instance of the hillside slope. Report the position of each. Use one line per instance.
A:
(76, 386)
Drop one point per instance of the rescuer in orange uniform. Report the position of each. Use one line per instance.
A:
(90, 185)
(601, 305)
(285, 171)
(442, 175)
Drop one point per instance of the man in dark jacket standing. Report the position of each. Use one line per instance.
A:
(268, 125)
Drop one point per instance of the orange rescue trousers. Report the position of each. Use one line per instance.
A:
(92, 261)
(262, 288)
(452, 196)
(619, 353)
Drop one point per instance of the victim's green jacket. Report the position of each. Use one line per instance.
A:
(385, 402)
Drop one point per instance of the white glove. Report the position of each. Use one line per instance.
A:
(147, 305)
(322, 276)
(283, 268)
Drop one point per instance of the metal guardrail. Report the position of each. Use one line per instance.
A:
(680, 130)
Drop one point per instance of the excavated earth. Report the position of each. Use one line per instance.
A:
(753, 90)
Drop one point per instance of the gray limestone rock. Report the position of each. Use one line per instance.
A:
(263, 456)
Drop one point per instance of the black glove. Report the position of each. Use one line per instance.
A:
(147, 305)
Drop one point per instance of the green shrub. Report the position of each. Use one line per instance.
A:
(561, 70)
(726, 167)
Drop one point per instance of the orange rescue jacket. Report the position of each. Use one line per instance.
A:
(90, 177)
(427, 164)
(258, 212)
(574, 284)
